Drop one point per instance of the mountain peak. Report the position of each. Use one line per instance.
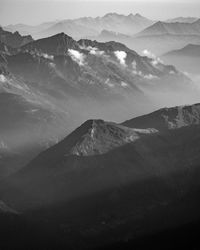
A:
(101, 137)
(111, 14)
(137, 15)
(53, 45)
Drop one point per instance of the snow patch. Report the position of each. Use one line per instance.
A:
(121, 56)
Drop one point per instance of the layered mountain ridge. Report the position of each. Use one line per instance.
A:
(106, 177)
(86, 26)
(177, 28)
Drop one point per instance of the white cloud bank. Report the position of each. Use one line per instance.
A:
(50, 57)
(156, 60)
(77, 56)
(121, 56)
(95, 51)
(2, 78)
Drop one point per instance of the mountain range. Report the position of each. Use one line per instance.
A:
(182, 20)
(137, 32)
(86, 26)
(162, 28)
(45, 83)
(110, 179)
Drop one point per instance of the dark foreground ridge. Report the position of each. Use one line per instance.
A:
(141, 188)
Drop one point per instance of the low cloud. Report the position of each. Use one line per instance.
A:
(2, 78)
(95, 51)
(121, 56)
(148, 53)
(50, 57)
(77, 56)
(150, 77)
(52, 65)
(156, 60)
(108, 83)
(124, 84)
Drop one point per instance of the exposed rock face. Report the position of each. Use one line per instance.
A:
(14, 40)
(54, 45)
(105, 136)
(168, 118)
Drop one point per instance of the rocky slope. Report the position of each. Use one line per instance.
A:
(168, 118)
(114, 153)
(14, 40)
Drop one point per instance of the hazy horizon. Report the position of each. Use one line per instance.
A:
(33, 12)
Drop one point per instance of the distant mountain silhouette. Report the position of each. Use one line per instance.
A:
(162, 28)
(182, 20)
(86, 26)
(191, 50)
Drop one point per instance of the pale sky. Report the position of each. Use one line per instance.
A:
(38, 11)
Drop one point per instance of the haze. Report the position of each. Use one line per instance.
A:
(38, 11)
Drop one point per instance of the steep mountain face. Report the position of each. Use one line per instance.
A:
(87, 26)
(14, 40)
(99, 69)
(5, 49)
(162, 28)
(103, 137)
(168, 118)
(54, 45)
